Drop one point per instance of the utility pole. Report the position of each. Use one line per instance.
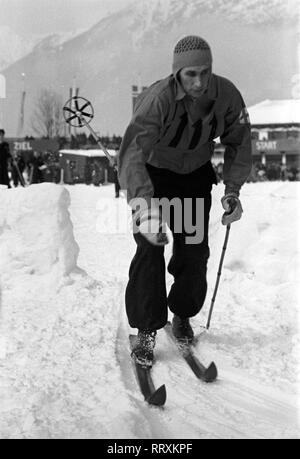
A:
(22, 106)
(74, 92)
(2, 96)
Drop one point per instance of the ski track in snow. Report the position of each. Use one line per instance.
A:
(64, 361)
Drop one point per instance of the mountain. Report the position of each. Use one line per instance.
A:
(14, 46)
(254, 44)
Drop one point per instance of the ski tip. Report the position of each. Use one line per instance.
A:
(159, 397)
(211, 373)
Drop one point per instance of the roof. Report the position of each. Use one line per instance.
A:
(286, 111)
(89, 153)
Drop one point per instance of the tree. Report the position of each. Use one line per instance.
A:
(47, 120)
(82, 139)
(74, 142)
(92, 140)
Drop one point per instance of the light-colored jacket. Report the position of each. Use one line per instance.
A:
(167, 131)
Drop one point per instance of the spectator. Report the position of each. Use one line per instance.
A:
(283, 172)
(292, 172)
(37, 166)
(273, 171)
(98, 174)
(88, 172)
(5, 159)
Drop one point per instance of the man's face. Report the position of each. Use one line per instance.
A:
(195, 80)
(1, 137)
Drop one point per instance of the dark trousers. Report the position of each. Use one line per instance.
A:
(146, 296)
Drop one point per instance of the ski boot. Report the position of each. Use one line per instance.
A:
(182, 330)
(142, 352)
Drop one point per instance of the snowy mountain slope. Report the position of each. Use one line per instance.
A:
(248, 11)
(52, 41)
(138, 41)
(64, 366)
(13, 46)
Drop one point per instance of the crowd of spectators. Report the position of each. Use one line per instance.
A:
(266, 172)
(37, 168)
(45, 167)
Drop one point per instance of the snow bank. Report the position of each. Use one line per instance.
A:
(58, 326)
(36, 232)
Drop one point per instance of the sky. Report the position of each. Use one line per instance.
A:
(52, 16)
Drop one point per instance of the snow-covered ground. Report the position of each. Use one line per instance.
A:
(64, 366)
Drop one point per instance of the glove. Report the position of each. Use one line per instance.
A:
(152, 227)
(233, 208)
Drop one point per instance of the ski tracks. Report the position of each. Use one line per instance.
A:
(235, 406)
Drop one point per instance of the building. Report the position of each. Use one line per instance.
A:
(85, 166)
(275, 133)
(136, 90)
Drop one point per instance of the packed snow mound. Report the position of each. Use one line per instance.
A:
(36, 232)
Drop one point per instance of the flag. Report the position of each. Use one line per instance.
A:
(244, 116)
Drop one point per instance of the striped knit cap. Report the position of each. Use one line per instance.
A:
(191, 51)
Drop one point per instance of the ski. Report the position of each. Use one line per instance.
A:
(207, 374)
(156, 397)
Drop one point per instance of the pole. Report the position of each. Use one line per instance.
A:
(21, 115)
(70, 126)
(218, 277)
(109, 157)
(61, 177)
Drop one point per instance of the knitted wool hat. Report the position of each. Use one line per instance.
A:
(191, 51)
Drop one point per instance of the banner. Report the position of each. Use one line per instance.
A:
(290, 145)
(42, 145)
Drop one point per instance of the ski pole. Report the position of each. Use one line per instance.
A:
(109, 157)
(82, 116)
(218, 277)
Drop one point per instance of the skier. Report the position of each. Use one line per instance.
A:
(165, 153)
(5, 159)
